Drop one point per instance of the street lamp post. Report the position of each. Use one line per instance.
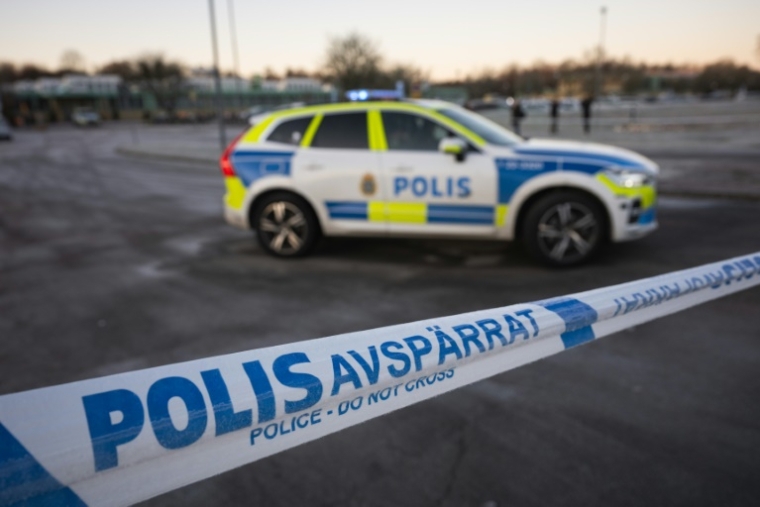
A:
(217, 79)
(600, 53)
(235, 59)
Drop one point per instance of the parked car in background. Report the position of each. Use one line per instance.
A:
(84, 117)
(5, 130)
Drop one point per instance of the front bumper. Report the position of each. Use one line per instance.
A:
(637, 231)
(634, 212)
(633, 221)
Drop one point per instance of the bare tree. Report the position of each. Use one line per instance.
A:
(8, 72)
(126, 69)
(161, 77)
(72, 61)
(296, 73)
(32, 71)
(270, 74)
(407, 73)
(353, 61)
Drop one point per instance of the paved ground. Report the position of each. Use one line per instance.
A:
(109, 264)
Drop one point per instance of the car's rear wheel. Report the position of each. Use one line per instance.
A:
(285, 225)
(564, 228)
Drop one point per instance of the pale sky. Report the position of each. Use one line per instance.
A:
(446, 38)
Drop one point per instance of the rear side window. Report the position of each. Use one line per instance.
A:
(405, 131)
(290, 131)
(347, 131)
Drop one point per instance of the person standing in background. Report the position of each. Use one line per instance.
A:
(517, 115)
(554, 112)
(586, 107)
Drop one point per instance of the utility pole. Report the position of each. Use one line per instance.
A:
(233, 39)
(600, 53)
(217, 79)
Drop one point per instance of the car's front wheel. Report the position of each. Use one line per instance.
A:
(564, 228)
(285, 225)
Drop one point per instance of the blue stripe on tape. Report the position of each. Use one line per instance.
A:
(23, 481)
(578, 317)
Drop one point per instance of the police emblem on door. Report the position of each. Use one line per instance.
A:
(368, 186)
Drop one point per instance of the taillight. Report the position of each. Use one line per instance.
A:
(225, 163)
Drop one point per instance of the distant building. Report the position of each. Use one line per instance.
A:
(71, 84)
(293, 85)
(270, 85)
(301, 84)
(456, 94)
(24, 86)
(54, 99)
(206, 84)
(47, 85)
(99, 84)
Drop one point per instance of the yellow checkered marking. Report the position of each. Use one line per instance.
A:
(376, 131)
(501, 214)
(398, 212)
(415, 213)
(647, 194)
(376, 211)
(309, 134)
(235, 192)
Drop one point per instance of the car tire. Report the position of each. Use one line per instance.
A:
(564, 228)
(285, 225)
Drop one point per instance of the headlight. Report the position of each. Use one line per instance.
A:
(628, 179)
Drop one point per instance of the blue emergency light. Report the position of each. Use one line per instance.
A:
(362, 95)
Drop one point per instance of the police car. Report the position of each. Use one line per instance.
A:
(430, 169)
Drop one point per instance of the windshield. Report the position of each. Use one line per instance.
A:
(492, 133)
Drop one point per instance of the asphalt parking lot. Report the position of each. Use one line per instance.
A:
(111, 263)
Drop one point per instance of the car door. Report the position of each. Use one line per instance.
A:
(429, 192)
(340, 174)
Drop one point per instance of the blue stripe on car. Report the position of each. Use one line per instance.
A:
(512, 174)
(347, 210)
(458, 214)
(252, 165)
(605, 160)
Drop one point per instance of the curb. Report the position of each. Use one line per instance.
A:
(165, 156)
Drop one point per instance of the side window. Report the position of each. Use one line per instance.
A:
(290, 131)
(347, 130)
(404, 131)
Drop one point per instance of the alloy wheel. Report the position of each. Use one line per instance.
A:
(284, 227)
(567, 231)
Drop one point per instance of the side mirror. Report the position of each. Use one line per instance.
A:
(453, 146)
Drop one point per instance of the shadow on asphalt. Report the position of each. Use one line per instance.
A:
(428, 253)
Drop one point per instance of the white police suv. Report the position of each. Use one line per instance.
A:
(430, 169)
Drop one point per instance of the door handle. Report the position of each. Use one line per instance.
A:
(315, 167)
(403, 169)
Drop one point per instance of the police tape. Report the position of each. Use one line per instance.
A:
(125, 438)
